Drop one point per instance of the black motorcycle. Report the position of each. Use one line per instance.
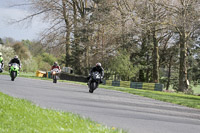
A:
(94, 81)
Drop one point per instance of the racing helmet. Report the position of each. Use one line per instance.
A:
(98, 64)
(16, 57)
(55, 63)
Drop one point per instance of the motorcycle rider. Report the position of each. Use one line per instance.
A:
(97, 68)
(55, 65)
(15, 60)
(1, 61)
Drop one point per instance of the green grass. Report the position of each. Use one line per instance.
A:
(21, 116)
(196, 89)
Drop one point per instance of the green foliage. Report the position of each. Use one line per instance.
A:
(27, 62)
(163, 80)
(7, 54)
(189, 91)
(121, 65)
(35, 48)
(41, 64)
(175, 85)
(48, 58)
(29, 65)
(61, 60)
(27, 43)
(45, 61)
(21, 51)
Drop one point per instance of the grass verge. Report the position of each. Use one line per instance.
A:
(21, 116)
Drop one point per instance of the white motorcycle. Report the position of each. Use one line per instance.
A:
(54, 74)
(1, 69)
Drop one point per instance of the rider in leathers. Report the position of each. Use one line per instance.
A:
(1, 61)
(15, 60)
(97, 68)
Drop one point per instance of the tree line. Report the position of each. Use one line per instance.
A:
(139, 40)
(32, 55)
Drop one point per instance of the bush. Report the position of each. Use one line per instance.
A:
(189, 91)
(48, 58)
(175, 85)
(195, 83)
(29, 65)
(44, 66)
(7, 53)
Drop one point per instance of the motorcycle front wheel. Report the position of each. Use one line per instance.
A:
(93, 86)
(54, 79)
(13, 75)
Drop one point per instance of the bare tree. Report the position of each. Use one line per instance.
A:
(184, 19)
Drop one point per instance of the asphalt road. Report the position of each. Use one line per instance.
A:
(133, 113)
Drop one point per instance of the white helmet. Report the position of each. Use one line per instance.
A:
(0, 54)
(98, 64)
(16, 57)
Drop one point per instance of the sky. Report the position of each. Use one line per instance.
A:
(18, 31)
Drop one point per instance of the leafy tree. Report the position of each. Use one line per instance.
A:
(41, 64)
(122, 67)
(21, 50)
(29, 65)
(27, 43)
(48, 58)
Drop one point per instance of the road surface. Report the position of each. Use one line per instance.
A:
(133, 113)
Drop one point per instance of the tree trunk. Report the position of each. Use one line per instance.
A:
(147, 70)
(155, 48)
(183, 65)
(85, 41)
(123, 31)
(87, 59)
(77, 52)
(169, 72)
(155, 58)
(67, 36)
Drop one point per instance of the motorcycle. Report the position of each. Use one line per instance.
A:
(14, 71)
(1, 69)
(94, 81)
(54, 74)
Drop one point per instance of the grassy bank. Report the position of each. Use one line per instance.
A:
(21, 116)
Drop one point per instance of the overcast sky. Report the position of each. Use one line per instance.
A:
(18, 31)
